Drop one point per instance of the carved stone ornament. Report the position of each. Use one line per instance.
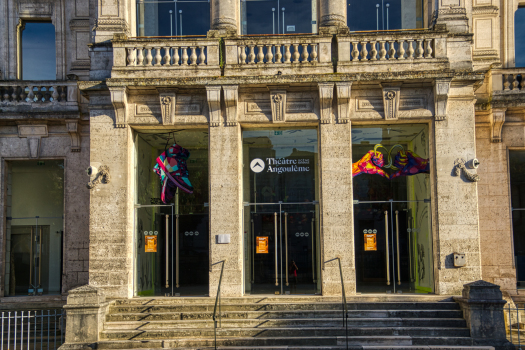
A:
(213, 94)
(441, 91)
(168, 99)
(119, 99)
(34, 134)
(278, 102)
(343, 101)
(74, 134)
(231, 100)
(459, 167)
(391, 97)
(497, 119)
(326, 96)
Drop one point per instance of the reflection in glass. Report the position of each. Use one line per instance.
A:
(173, 18)
(180, 262)
(519, 39)
(384, 14)
(38, 55)
(392, 222)
(278, 17)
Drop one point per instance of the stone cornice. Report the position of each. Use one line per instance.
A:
(485, 10)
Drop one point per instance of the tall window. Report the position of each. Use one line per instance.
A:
(173, 18)
(519, 39)
(517, 188)
(37, 51)
(384, 14)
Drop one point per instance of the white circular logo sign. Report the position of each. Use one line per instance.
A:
(257, 165)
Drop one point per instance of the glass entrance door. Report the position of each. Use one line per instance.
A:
(392, 239)
(283, 243)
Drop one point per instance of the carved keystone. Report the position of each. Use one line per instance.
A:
(497, 119)
(213, 94)
(34, 134)
(391, 97)
(231, 99)
(168, 100)
(326, 96)
(278, 102)
(344, 91)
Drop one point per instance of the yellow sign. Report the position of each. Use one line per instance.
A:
(370, 242)
(151, 244)
(261, 245)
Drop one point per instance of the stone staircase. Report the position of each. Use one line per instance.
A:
(374, 322)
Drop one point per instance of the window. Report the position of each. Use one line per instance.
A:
(517, 188)
(278, 17)
(37, 51)
(173, 18)
(384, 14)
(519, 44)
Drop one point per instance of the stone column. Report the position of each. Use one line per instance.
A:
(336, 204)
(332, 14)
(452, 13)
(86, 311)
(225, 164)
(455, 203)
(225, 15)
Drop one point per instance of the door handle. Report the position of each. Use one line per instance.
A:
(40, 259)
(286, 243)
(32, 259)
(275, 222)
(313, 251)
(253, 255)
(387, 250)
(167, 251)
(397, 249)
(410, 250)
(177, 244)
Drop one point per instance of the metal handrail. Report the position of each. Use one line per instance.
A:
(345, 306)
(218, 300)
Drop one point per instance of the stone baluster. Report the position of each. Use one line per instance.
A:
(14, 94)
(251, 55)
(515, 82)
(184, 55)
(23, 94)
(391, 50)
(63, 95)
(46, 95)
(355, 51)
(260, 54)
(131, 56)
(6, 94)
(296, 54)
(428, 48)
(167, 56)
(313, 54)
(158, 57)
(31, 94)
(278, 54)
(305, 54)
(149, 58)
(140, 56)
(373, 52)
(55, 94)
(401, 49)
(364, 51)
(420, 50)
(38, 94)
(287, 53)
(410, 52)
(382, 51)
(269, 54)
(242, 55)
(176, 56)
(193, 56)
(202, 56)
(506, 82)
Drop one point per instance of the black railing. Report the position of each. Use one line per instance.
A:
(345, 306)
(218, 301)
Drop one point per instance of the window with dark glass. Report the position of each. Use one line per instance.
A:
(519, 39)
(37, 51)
(173, 18)
(384, 14)
(517, 188)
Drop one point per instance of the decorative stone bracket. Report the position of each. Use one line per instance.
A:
(441, 90)
(344, 92)
(391, 98)
(119, 99)
(459, 166)
(213, 94)
(74, 134)
(278, 103)
(34, 134)
(326, 96)
(168, 99)
(497, 119)
(231, 99)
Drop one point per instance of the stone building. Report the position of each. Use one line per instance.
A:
(390, 136)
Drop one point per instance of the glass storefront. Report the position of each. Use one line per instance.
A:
(34, 227)
(517, 188)
(173, 18)
(171, 213)
(384, 14)
(392, 221)
(281, 214)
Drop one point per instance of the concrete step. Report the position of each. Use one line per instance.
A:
(299, 322)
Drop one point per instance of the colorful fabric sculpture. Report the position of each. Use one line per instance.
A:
(371, 163)
(173, 172)
(408, 163)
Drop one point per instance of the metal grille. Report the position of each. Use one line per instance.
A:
(42, 329)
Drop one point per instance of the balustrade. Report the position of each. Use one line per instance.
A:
(172, 55)
(20, 92)
(391, 49)
(277, 53)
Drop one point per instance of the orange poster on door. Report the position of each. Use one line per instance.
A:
(261, 245)
(151, 244)
(370, 242)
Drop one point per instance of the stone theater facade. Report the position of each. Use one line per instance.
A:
(276, 136)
